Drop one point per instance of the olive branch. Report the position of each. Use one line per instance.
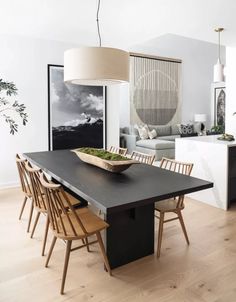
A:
(8, 89)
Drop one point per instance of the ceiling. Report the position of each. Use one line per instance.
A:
(123, 22)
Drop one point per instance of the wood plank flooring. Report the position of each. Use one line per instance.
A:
(205, 271)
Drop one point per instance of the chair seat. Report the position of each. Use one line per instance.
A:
(91, 222)
(167, 205)
(74, 201)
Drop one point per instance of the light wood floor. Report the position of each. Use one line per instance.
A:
(204, 271)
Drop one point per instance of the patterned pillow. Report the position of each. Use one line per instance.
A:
(186, 129)
(143, 132)
(152, 134)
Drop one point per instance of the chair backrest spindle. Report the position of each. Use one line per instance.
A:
(118, 150)
(24, 177)
(143, 158)
(60, 210)
(37, 190)
(179, 167)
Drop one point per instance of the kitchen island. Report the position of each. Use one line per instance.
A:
(214, 160)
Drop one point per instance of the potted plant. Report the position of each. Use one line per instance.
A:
(9, 110)
(219, 129)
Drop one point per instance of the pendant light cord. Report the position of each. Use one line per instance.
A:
(219, 31)
(219, 45)
(98, 27)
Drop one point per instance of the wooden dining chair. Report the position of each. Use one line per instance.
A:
(25, 187)
(39, 200)
(118, 150)
(143, 157)
(71, 224)
(172, 205)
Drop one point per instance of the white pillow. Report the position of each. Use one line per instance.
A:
(143, 132)
(152, 134)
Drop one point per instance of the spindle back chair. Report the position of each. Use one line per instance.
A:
(174, 205)
(118, 150)
(39, 200)
(70, 224)
(25, 187)
(143, 157)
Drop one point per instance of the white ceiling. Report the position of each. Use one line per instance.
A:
(123, 22)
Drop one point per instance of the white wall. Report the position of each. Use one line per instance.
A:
(197, 72)
(113, 101)
(24, 61)
(230, 107)
(124, 108)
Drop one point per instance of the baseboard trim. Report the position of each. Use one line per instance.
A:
(8, 185)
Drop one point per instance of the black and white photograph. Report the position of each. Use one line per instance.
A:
(219, 101)
(76, 113)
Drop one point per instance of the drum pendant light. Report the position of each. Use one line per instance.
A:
(96, 65)
(219, 67)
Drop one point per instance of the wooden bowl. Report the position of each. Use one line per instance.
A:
(114, 166)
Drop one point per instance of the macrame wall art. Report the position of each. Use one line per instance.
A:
(154, 90)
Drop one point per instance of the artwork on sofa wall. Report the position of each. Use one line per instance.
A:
(154, 90)
(219, 107)
(76, 113)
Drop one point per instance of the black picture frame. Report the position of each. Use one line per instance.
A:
(219, 106)
(55, 141)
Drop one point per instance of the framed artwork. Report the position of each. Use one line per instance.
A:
(219, 106)
(76, 113)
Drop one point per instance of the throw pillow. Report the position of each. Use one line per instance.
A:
(136, 132)
(152, 134)
(186, 129)
(143, 131)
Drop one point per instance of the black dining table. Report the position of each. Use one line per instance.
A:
(126, 199)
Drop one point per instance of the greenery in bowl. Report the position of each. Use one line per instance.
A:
(102, 154)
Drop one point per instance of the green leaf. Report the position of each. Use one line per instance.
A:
(10, 89)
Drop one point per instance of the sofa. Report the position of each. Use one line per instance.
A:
(161, 146)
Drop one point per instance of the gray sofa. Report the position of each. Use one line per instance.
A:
(162, 145)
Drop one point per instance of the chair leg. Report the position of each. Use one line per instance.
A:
(99, 237)
(45, 236)
(50, 250)
(183, 226)
(35, 223)
(160, 232)
(67, 257)
(86, 241)
(23, 206)
(30, 215)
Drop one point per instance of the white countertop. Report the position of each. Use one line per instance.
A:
(212, 139)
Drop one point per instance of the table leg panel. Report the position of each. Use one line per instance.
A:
(130, 235)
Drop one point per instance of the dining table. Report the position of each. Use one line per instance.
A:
(126, 199)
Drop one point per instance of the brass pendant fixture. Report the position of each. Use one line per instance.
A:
(219, 67)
